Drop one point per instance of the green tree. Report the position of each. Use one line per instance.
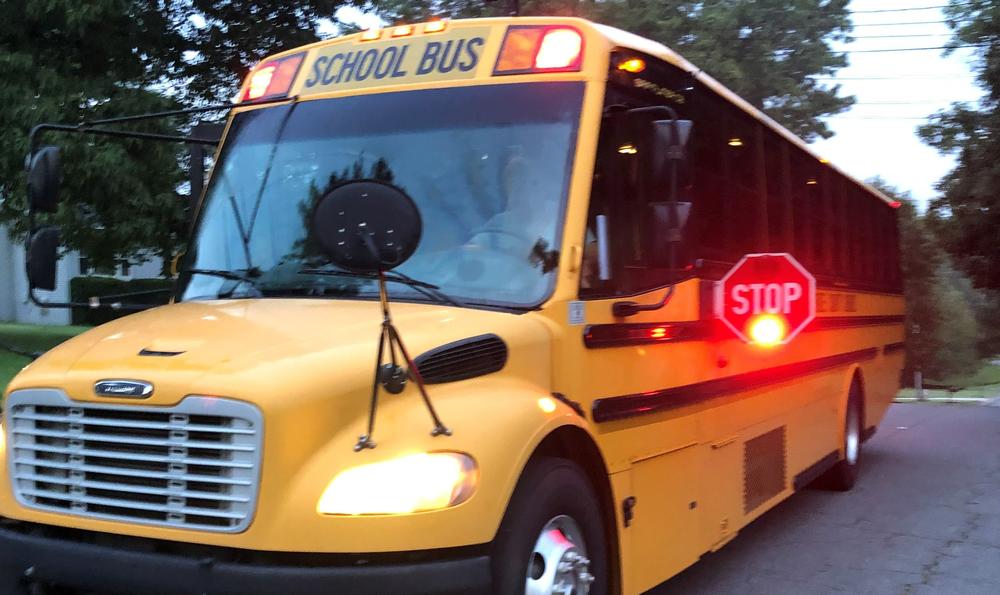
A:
(967, 215)
(68, 61)
(768, 51)
(218, 41)
(942, 332)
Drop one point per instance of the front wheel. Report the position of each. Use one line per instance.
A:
(552, 539)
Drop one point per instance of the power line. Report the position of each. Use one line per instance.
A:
(900, 35)
(903, 24)
(903, 9)
(901, 77)
(937, 47)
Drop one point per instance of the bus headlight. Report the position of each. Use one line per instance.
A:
(411, 483)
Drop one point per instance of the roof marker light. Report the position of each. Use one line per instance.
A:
(436, 26)
(371, 34)
(895, 204)
(402, 31)
(633, 65)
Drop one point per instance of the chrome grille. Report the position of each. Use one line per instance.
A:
(194, 466)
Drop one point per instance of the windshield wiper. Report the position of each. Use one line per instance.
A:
(427, 289)
(248, 278)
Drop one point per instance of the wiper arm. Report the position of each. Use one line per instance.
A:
(249, 278)
(427, 289)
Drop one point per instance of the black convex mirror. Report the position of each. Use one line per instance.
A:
(43, 180)
(664, 231)
(671, 139)
(367, 226)
(43, 254)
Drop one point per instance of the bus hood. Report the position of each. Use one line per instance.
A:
(264, 351)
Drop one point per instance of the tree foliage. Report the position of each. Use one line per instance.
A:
(968, 212)
(69, 61)
(942, 307)
(66, 61)
(216, 42)
(768, 51)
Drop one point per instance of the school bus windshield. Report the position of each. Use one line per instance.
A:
(488, 167)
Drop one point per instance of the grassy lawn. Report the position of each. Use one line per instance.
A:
(983, 384)
(29, 338)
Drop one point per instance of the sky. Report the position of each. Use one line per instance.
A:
(895, 90)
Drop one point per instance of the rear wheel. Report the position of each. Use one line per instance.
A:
(552, 539)
(844, 474)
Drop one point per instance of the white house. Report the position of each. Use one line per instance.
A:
(14, 303)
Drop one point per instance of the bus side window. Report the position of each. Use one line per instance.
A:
(622, 192)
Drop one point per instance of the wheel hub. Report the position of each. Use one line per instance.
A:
(559, 563)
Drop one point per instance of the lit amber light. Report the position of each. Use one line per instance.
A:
(435, 26)
(633, 65)
(811, 182)
(371, 34)
(402, 31)
(767, 330)
(546, 404)
(259, 82)
(824, 160)
(628, 150)
(659, 332)
(735, 142)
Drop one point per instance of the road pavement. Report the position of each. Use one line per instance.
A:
(924, 518)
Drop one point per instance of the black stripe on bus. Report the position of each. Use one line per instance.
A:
(831, 322)
(812, 472)
(625, 406)
(623, 334)
(893, 348)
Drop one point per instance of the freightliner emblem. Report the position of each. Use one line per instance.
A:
(134, 389)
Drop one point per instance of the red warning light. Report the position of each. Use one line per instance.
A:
(273, 78)
(532, 48)
(767, 330)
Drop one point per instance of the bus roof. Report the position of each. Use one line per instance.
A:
(624, 39)
(615, 38)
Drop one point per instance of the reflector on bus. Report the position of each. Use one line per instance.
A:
(273, 78)
(537, 48)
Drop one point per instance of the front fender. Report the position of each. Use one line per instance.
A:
(499, 422)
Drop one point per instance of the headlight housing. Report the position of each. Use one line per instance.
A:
(410, 483)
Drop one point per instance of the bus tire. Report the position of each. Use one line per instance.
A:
(844, 474)
(552, 534)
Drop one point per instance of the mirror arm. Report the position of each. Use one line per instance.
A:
(629, 308)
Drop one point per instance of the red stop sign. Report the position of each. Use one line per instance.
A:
(775, 285)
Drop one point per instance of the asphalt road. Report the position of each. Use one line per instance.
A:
(924, 518)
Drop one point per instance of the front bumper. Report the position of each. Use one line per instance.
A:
(103, 564)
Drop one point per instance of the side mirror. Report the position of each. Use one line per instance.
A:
(43, 254)
(43, 180)
(664, 231)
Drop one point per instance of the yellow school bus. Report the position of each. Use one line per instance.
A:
(590, 424)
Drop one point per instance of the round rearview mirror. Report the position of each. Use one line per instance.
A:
(367, 226)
